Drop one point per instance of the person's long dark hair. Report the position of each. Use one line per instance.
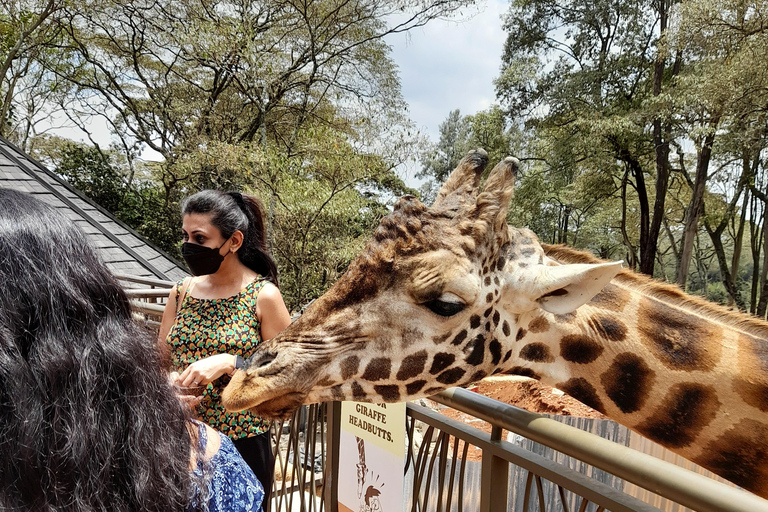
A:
(233, 211)
(88, 420)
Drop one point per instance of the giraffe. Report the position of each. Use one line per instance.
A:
(447, 295)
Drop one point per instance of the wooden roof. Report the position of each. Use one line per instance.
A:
(121, 248)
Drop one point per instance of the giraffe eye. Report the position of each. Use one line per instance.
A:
(447, 304)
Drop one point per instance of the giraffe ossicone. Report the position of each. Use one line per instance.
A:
(446, 295)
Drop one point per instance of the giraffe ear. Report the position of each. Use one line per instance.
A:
(492, 205)
(462, 184)
(563, 288)
(559, 289)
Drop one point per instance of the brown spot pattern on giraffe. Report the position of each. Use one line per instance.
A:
(628, 382)
(378, 368)
(441, 361)
(478, 375)
(357, 391)
(474, 321)
(505, 328)
(580, 389)
(414, 387)
(753, 393)
(459, 339)
(336, 392)
(520, 334)
(537, 353)
(438, 340)
(753, 360)
(612, 298)
(539, 324)
(410, 336)
(349, 367)
(389, 392)
(522, 371)
(580, 349)
(608, 327)
(680, 341)
(476, 349)
(412, 365)
(685, 410)
(740, 455)
(451, 376)
(494, 347)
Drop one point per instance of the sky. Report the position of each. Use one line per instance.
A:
(447, 65)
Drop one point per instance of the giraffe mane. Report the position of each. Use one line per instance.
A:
(667, 292)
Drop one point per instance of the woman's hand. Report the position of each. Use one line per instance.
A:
(188, 399)
(204, 371)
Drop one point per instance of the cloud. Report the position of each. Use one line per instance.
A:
(448, 65)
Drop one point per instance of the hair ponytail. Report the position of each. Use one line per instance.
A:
(233, 211)
(254, 253)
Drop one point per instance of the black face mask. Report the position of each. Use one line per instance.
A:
(200, 259)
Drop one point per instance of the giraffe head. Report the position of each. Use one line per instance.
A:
(429, 304)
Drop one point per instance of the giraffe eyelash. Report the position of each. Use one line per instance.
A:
(445, 308)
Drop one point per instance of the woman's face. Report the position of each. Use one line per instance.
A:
(197, 229)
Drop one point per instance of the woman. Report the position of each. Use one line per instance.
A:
(215, 319)
(88, 419)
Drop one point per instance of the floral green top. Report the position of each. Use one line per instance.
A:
(205, 327)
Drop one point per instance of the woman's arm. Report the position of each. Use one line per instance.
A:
(271, 311)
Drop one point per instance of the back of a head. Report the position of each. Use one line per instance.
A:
(233, 211)
(87, 418)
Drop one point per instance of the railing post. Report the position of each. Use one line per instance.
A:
(494, 479)
(331, 470)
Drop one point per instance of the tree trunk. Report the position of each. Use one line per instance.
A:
(631, 255)
(761, 306)
(662, 132)
(693, 212)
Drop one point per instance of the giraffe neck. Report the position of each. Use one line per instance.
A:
(675, 372)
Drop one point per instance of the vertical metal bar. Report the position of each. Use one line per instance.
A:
(540, 489)
(442, 461)
(430, 471)
(331, 477)
(527, 494)
(494, 479)
(562, 498)
(462, 474)
(454, 460)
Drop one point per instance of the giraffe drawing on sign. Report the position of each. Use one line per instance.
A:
(446, 295)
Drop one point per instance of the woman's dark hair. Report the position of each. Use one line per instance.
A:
(233, 211)
(88, 421)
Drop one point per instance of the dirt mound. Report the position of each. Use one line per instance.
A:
(533, 396)
(521, 392)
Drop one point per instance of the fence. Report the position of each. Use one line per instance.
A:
(544, 466)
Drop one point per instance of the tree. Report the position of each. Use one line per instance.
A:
(579, 74)
(30, 30)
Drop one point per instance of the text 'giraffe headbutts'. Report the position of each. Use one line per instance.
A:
(447, 295)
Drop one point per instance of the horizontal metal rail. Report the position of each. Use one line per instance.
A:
(147, 308)
(584, 486)
(666, 479)
(145, 293)
(158, 283)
